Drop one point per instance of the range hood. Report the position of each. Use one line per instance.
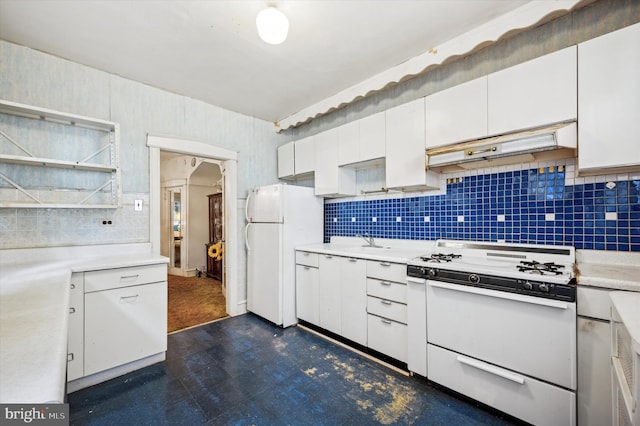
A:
(509, 148)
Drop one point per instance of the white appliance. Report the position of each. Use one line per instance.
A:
(279, 218)
(501, 326)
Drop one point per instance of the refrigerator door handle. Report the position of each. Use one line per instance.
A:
(246, 207)
(246, 236)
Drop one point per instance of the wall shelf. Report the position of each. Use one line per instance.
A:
(51, 159)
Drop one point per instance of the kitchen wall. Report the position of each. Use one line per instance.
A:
(529, 203)
(42, 80)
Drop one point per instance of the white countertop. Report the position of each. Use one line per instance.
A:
(628, 307)
(396, 251)
(34, 313)
(615, 270)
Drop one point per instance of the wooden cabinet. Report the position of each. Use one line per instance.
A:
(52, 159)
(362, 140)
(457, 114)
(329, 293)
(122, 318)
(307, 287)
(405, 148)
(286, 161)
(353, 299)
(216, 234)
(609, 102)
(533, 94)
(331, 180)
(387, 309)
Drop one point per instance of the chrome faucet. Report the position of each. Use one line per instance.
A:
(368, 238)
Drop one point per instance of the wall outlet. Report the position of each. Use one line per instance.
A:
(106, 222)
(137, 205)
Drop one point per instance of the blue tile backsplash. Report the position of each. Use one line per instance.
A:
(534, 206)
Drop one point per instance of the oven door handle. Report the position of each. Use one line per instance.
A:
(491, 369)
(500, 295)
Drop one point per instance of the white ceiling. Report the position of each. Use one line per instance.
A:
(210, 50)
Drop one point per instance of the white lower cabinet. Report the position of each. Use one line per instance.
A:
(531, 400)
(124, 324)
(307, 308)
(387, 337)
(329, 293)
(353, 299)
(118, 316)
(417, 326)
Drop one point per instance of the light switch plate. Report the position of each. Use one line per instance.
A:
(137, 205)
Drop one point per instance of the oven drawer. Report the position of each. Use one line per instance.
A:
(528, 334)
(124, 277)
(387, 271)
(387, 309)
(306, 258)
(523, 397)
(387, 337)
(387, 290)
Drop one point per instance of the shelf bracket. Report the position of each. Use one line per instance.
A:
(110, 181)
(16, 143)
(19, 188)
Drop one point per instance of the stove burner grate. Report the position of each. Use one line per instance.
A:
(440, 257)
(534, 267)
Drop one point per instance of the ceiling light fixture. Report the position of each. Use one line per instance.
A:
(273, 25)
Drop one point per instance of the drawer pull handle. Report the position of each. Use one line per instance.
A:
(385, 264)
(491, 369)
(73, 286)
(128, 298)
(385, 283)
(304, 253)
(129, 277)
(70, 357)
(385, 321)
(306, 268)
(328, 256)
(72, 310)
(385, 302)
(353, 259)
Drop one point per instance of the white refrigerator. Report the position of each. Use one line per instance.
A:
(279, 218)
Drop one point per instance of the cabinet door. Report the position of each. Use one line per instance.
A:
(405, 158)
(329, 293)
(353, 303)
(75, 350)
(534, 93)
(307, 294)
(417, 326)
(329, 178)
(594, 372)
(457, 114)
(349, 143)
(124, 324)
(304, 154)
(372, 137)
(286, 160)
(609, 100)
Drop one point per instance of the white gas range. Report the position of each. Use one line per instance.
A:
(500, 325)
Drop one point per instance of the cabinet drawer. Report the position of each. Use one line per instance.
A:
(387, 271)
(306, 258)
(124, 277)
(594, 303)
(515, 394)
(387, 309)
(124, 325)
(387, 290)
(387, 337)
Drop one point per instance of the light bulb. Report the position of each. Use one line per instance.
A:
(272, 25)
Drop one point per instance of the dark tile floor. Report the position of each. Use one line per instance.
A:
(242, 370)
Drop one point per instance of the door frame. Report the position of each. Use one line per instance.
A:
(229, 166)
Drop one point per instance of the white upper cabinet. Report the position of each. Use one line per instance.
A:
(533, 94)
(609, 101)
(304, 154)
(405, 159)
(457, 114)
(286, 168)
(331, 180)
(362, 140)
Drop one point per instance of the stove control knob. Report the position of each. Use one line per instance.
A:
(527, 285)
(432, 272)
(474, 279)
(543, 288)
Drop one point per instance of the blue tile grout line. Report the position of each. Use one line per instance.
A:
(532, 206)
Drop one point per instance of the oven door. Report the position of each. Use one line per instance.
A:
(530, 335)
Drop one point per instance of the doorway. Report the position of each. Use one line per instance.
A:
(227, 162)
